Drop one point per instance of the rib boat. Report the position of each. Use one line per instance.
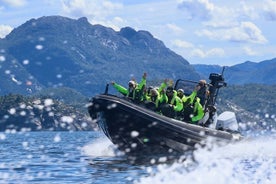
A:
(136, 129)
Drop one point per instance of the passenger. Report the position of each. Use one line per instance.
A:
(202, 92)
(186, 112)
(135, 91)
(181, 95)
(193, 110)
(162, 91)
(153, 95)
(153, 100)
(162, 99)
(174, 103)
(147, 92)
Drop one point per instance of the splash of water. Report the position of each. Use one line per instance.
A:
(100, 147)
(249, 161)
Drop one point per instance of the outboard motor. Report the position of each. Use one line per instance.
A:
(227, 121)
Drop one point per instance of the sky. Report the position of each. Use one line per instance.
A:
(220, 32)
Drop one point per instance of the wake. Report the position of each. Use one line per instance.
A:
(249, 161)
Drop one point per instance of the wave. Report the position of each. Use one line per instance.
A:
(250, 161)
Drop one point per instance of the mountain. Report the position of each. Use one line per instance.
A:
(57, 51)
(244, 73)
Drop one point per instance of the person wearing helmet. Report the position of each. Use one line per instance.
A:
(153, 100)
(147, 92)
(134, 90)
(173, 104)
(181, 95)
(192, 110)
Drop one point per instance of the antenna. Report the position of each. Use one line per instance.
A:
(220, 84)
(106, 89)
(222, 72)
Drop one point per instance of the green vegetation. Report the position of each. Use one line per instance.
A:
(255, 98)
(40, 113)
(65, 95)
(251, 102)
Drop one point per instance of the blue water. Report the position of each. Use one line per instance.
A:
(88, 157)
(62, 157)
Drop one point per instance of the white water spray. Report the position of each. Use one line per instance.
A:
(249, 161)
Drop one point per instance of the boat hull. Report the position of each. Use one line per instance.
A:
(137, 130)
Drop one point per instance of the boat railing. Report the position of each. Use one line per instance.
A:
(187, 85)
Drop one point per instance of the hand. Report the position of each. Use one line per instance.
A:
(170, 82)
(112, 82)
(145, 75)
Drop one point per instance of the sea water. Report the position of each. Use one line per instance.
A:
(63, 157)
(89, 157)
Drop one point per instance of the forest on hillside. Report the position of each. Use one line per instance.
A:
(253, 103)
(18, 112)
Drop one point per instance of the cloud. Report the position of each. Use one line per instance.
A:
(244, 32)
(5, 30)
(252, 33)
(221, 15)
(201, 9)
(190, 50)
(214, 52)
(97, 9)
(246, 11)
(270, 10)
(176, 29)
(182, 44)
(16, 3)
(249, 51)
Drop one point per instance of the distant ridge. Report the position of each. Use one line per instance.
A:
(244, 73)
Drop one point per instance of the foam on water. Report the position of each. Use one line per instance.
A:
(100, 147)
(249, 161)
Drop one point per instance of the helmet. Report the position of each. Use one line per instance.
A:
(149, 89)
(131, 83)
(180, 90)
(153, 92)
